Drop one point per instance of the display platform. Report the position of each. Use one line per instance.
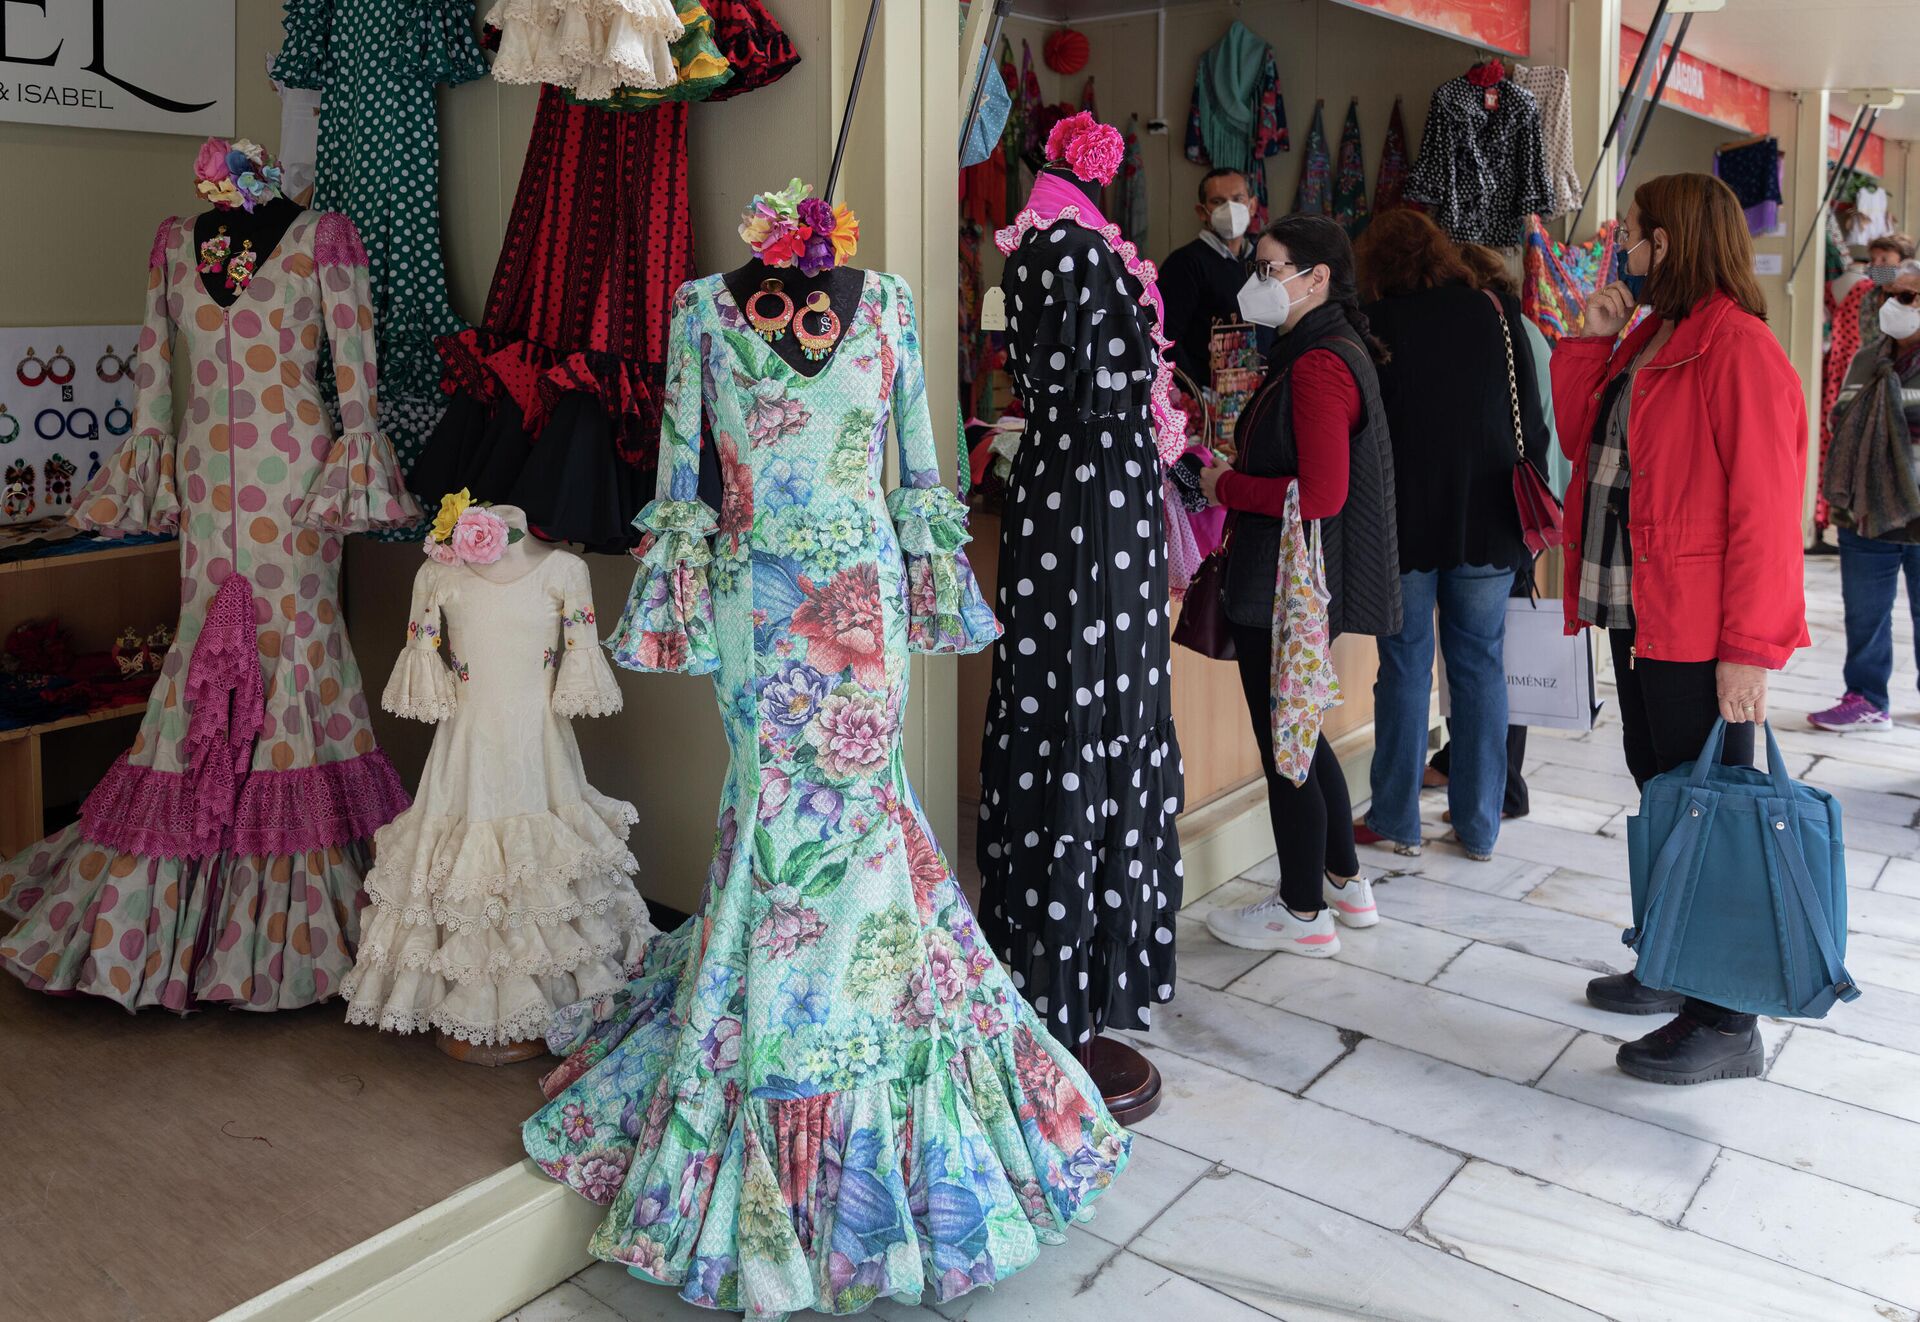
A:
(167, 1169)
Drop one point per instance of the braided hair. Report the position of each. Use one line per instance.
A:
(1320, 241)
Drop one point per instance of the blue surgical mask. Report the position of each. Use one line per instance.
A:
(1636, 284)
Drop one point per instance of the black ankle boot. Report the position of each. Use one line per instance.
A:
(1688, 1051)
(1622, 993)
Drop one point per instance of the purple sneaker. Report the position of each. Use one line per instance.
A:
(1854, 715)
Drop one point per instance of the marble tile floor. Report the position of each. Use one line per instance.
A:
(1430, 1127)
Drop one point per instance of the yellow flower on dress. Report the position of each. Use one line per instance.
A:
(452, 506)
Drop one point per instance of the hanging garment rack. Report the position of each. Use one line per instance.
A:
(853, 98)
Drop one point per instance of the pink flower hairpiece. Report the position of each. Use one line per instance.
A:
(1090, 149)
(466, 533)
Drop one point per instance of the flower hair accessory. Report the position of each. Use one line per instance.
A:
(794, 228)
(235, 174)
(1090, 149)
(467, 533)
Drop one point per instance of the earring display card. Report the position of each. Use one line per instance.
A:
(66, 404)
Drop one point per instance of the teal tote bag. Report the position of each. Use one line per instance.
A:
(1740, 887)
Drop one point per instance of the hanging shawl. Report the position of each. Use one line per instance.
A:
(1560, 277)
(1395, 162)
(1316, 177)
(1031, 106)
(1014, 139)
(1350, 177)
(1301, 684)
(1868, 483)
(1130, 188)
(1844, 342)
(1225, 88)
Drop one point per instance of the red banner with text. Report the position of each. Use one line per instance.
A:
(1873, 157)
(1498, 25)
(1700, 88)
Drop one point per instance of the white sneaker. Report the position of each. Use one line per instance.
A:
(1270, 925)
(1350, 901)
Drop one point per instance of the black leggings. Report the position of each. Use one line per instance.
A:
(1312, 823)
(1667, 710)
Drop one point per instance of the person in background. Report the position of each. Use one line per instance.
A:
(1490, 273)
(1890, 250)
(1316, 422)
(1870, 567)
(1450, 417)
(1200, 281)
(1689, 449)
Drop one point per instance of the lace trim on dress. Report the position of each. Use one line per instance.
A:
(503, 963)
(591, 47)
(585, 685)
(336, 242)
(452, 859)
(421, 688)
(1169, 424)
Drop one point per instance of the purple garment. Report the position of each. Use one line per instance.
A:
(1763, 218)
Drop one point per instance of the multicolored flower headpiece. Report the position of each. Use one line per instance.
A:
(794, 228)
(1090, 149)
(235, 174)
(465, 532)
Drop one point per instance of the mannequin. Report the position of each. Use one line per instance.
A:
(521, 557)
(842, 285)
(263, 228)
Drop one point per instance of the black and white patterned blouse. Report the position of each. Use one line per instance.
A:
(1482, 172)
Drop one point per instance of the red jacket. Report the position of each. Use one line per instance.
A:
(1717, 439)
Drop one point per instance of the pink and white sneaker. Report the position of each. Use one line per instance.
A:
(1853, 715)
(1350, 900)
(1270, 925)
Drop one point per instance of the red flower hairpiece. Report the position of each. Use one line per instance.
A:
(1092, 150)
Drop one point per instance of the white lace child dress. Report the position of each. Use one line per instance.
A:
(506, 890)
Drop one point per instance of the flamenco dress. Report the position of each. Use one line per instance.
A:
(822, 1090)
(220, 860)
(571, 353)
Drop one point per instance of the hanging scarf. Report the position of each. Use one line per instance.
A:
(1391, 182)
(1031, 106)
(1350, 178)
(1302, 686)
(1316, 171)
(1560, 277)
(1013, 140)
(1226, 89)
(1130, 188)
(1869, 483)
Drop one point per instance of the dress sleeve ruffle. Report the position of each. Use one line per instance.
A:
(668, 624)
(358, 488)
(304, 60)
(135, 492)
(421, 687)
(946, 612)
(585, 685)
(434, 41)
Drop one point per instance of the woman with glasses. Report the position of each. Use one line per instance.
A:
(1871, 565)
(1315, 423)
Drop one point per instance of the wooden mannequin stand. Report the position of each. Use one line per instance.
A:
(505, 1053)
(1129, 1083)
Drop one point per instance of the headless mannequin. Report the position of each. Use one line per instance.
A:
(842, 285)
(263, 227)
(520, 558)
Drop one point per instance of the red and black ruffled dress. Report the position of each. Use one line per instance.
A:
(556, 396)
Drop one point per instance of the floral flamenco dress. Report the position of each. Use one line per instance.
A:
(221, 858)
(822, 1090)
(506, 889)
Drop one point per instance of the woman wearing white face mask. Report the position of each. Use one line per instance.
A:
(1316, 422)
(1875, 426)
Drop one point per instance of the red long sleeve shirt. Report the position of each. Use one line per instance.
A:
(1326, 410)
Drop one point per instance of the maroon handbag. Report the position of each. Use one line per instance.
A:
(1203, 626)
(1539, 509)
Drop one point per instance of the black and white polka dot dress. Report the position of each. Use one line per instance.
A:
(1081, 777)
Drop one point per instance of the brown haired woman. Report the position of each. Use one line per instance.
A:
(1698, 578)
(1450, 418)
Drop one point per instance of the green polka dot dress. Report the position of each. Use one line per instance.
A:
(376, 64)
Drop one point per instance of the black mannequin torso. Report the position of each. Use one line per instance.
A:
(841, 283)
(263, 227)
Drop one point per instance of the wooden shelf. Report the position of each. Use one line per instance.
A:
(70, 722)
(106, 552)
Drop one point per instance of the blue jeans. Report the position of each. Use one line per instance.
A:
(1869, 573)
(1472, 602)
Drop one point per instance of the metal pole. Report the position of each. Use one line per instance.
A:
(986, 68)
(1620, 109)
(1659, 90)
(1850, 153)
(853, 96)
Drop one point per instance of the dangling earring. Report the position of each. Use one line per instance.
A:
(818, 346)
(770, 328)
(240, 269)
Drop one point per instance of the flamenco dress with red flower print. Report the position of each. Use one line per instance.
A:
(823, 1089)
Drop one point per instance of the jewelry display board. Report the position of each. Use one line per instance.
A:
(66, 403)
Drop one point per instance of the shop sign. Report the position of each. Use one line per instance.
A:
(1873, 157)
(137, 65)
(1701, 89)
(1496, 25)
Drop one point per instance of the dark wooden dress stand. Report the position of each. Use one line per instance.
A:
(1129, 1083)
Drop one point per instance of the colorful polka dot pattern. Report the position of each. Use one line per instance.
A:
(258, 485)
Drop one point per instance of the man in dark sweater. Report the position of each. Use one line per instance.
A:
(1201, 281)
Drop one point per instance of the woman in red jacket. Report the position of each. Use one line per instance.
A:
(1689, 448)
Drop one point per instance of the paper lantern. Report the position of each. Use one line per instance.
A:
(1065, 51)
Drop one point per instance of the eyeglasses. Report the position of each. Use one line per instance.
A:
(1906, 296)
(1264, 269)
